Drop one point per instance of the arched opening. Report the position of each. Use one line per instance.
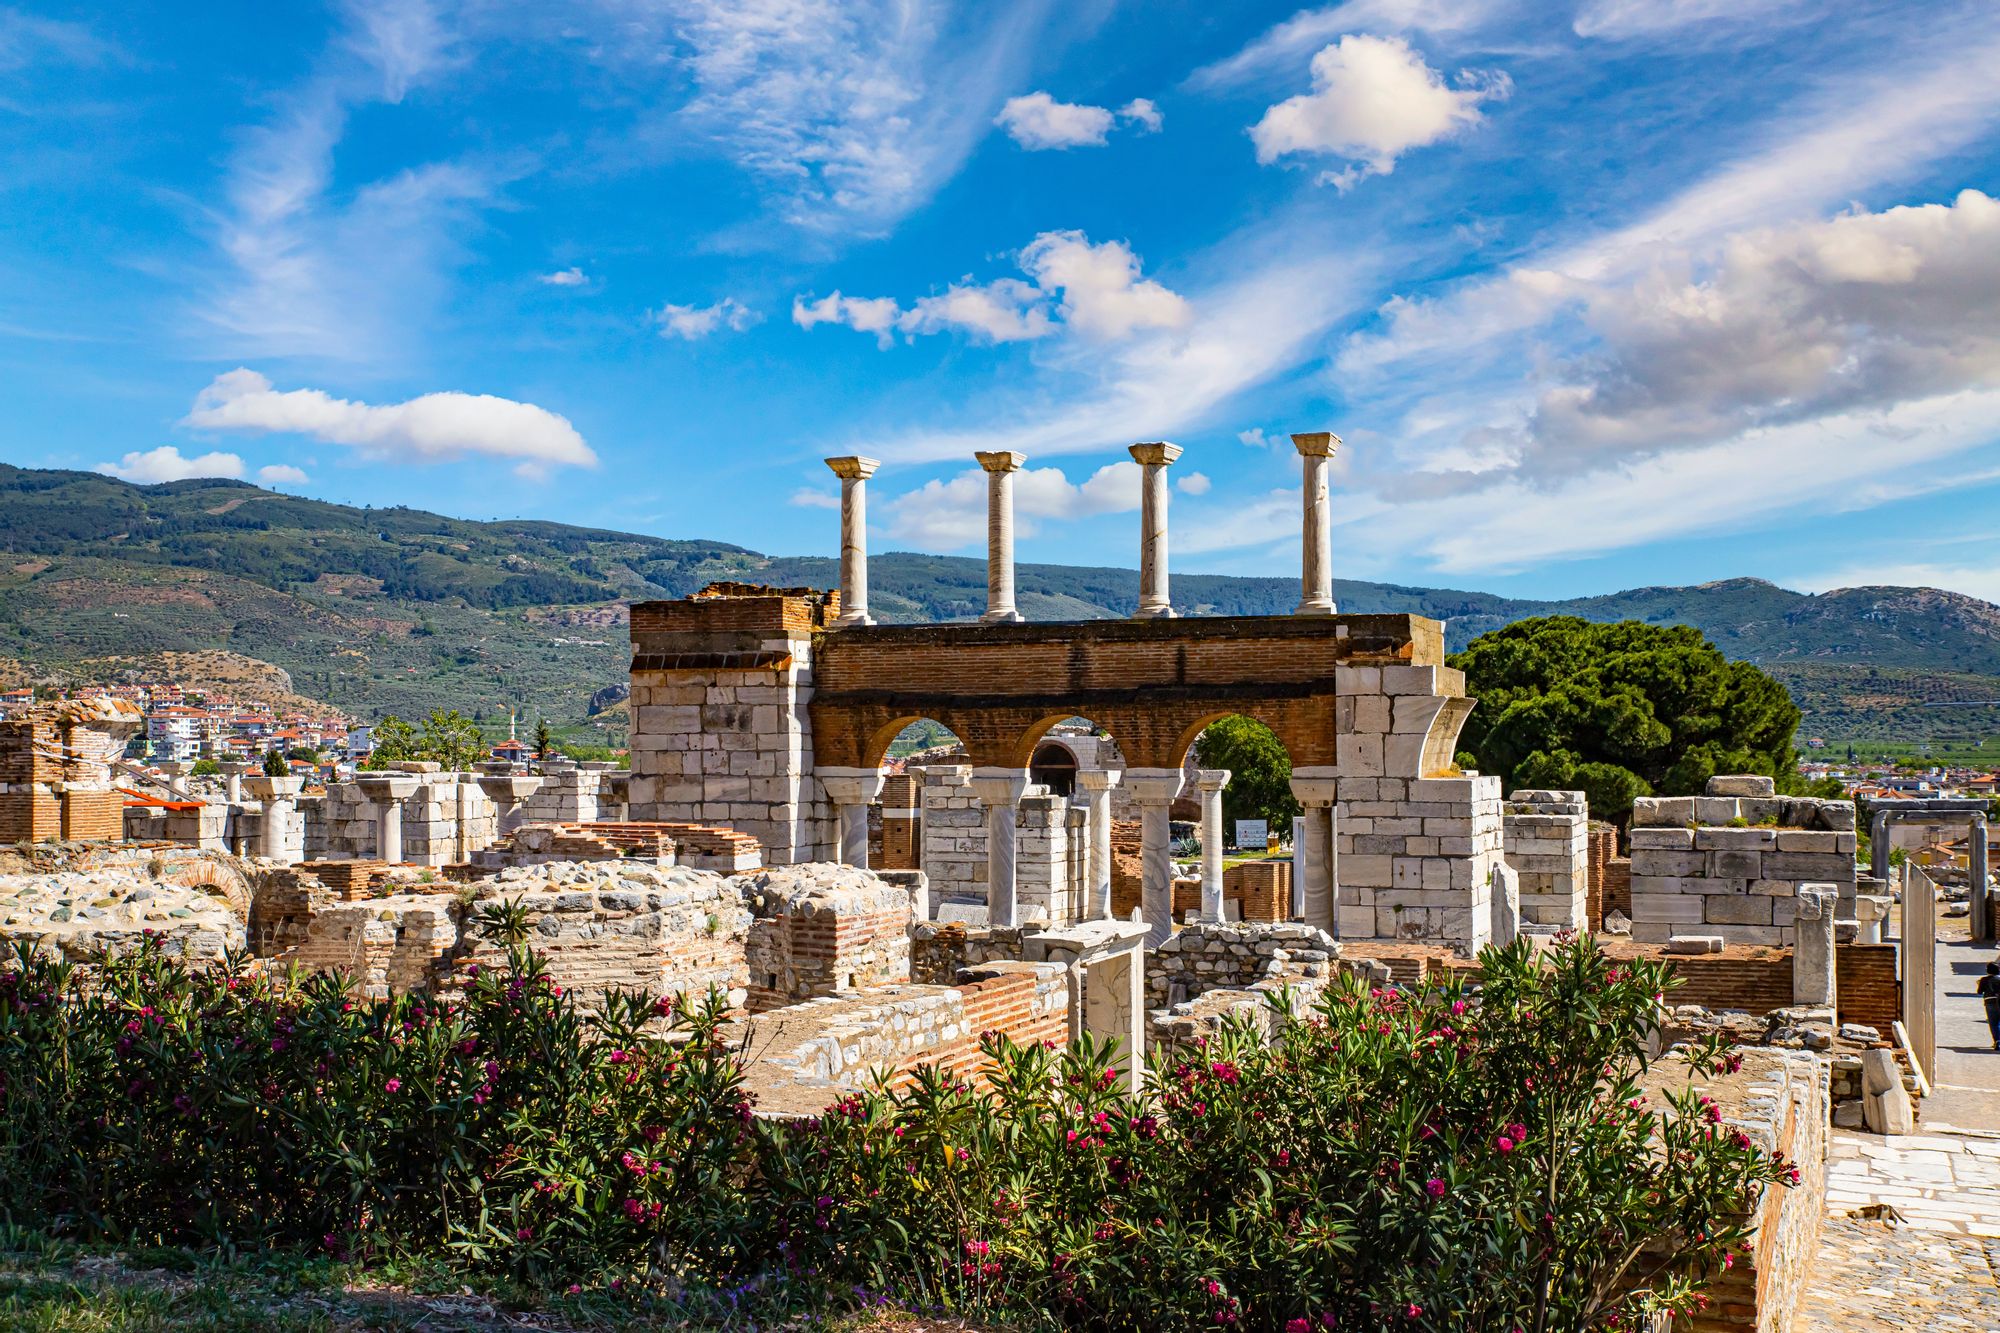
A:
(1251, 813)
(896, 824)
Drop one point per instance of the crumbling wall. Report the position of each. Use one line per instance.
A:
(822, 929)
(1233, 955)
(55, 774)
(1547, 844)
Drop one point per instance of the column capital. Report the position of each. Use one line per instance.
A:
(853, 467)
(998, 786)
(851, 786)
(1154, 786)
(1316, 786)
(1316, 443)
(1211, 779)
(1001, 460)
(1154, 453)
(1098, 779)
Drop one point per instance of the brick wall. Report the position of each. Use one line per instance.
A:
(1867, 990)
(1617, 891)
(1603, 849)
(996, 686)
(1264, 888)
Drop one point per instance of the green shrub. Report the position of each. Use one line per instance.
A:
(1435, 1159)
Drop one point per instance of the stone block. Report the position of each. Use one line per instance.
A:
(1735, 839)
(1676, 908)
(1662, 811)
(1744, 865)
(1730, 910)
(1809, 865)
(1803, 840)
(1677, 837)
(1716, 809)
(1695, 944)
(1741, 784)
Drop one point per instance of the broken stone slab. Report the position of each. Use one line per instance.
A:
(1741, 784)
(1886, 1105)
(1695, 944)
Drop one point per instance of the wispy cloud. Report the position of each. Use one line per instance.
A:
(1285, 47)
(427, 429)
(950, 514)
(850, 112)
(565, 277)
(29, 39)
(695, 322)
(311, 271)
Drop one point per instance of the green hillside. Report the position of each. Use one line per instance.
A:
(399, 610)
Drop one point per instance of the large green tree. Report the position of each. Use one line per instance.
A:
(1620, 711)
(1260, 771)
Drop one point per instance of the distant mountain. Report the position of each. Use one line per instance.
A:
(400, 610)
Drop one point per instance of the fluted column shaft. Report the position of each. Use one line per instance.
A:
(1097, 783)
(1153, 791)
(1211, 781)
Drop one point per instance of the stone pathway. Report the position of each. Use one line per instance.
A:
(1966, 1082)
(1938, 1182)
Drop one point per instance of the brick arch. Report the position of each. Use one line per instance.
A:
(882, 734)
(1302, 732)
(225, 882)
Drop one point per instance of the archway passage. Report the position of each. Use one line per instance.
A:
(1054, 767)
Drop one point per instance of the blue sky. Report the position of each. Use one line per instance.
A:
(1598, 293)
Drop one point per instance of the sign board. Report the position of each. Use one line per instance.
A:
(1252, 832)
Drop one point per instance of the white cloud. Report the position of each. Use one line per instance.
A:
(1980, 580)
(1037, 121)
(429, 428)
(1256, 438)
(282, 474)
(1373, 99)
(1856, 134)
(166, 464)
(873, 314)
(1279, 48)
(950, 514)
(807, 498)
(1194, 483)
(1094, 289)
(1789, 323)
(1143, 112)
(694, 322)
(567, 277)
(27, 39)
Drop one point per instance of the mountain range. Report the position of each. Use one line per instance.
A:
(399, 610)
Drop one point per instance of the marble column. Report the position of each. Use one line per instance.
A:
(1153, 791)
(387, 792)
(1211, 781)
(1000, 465)
(1154, 459)
(1318, 893)
(278, 796)
(854, 472)
(1878, 845)
(1813, 981)
(232, 778)
(1097, 783)
(508, 791)
(1316, 451)
(999, 790)
(1975, 861)
(851, 790)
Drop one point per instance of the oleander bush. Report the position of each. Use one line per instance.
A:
(1427, 1159)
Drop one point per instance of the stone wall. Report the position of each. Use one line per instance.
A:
(954, 835)
(1415, 856)
(721, 727)
(85, 914)
(1547, 843)
(55, 775)
(1730, 863)
(1051, 841)
(1231, 955)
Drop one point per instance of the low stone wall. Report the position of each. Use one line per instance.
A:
(1232, 955)
(1730, 863)
(808, 1055)
(84, 915)
(1779, 1099)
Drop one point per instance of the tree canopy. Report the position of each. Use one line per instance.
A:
(447, 737)
(1260, 771)
(1620, 711)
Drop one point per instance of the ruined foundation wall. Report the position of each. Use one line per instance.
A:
(1547, 843)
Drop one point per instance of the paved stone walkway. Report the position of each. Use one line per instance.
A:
(1966, 1082)
(1872, 1276)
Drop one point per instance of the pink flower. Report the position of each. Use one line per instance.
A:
(1504, 1144)
(1517, 1132)
(1434, 1187)
(1457, 1008)
(977, 1248)
(393, 1085)
(1299, 1325)
(525, 1233)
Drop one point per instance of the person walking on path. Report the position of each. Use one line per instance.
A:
(1989, 991)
